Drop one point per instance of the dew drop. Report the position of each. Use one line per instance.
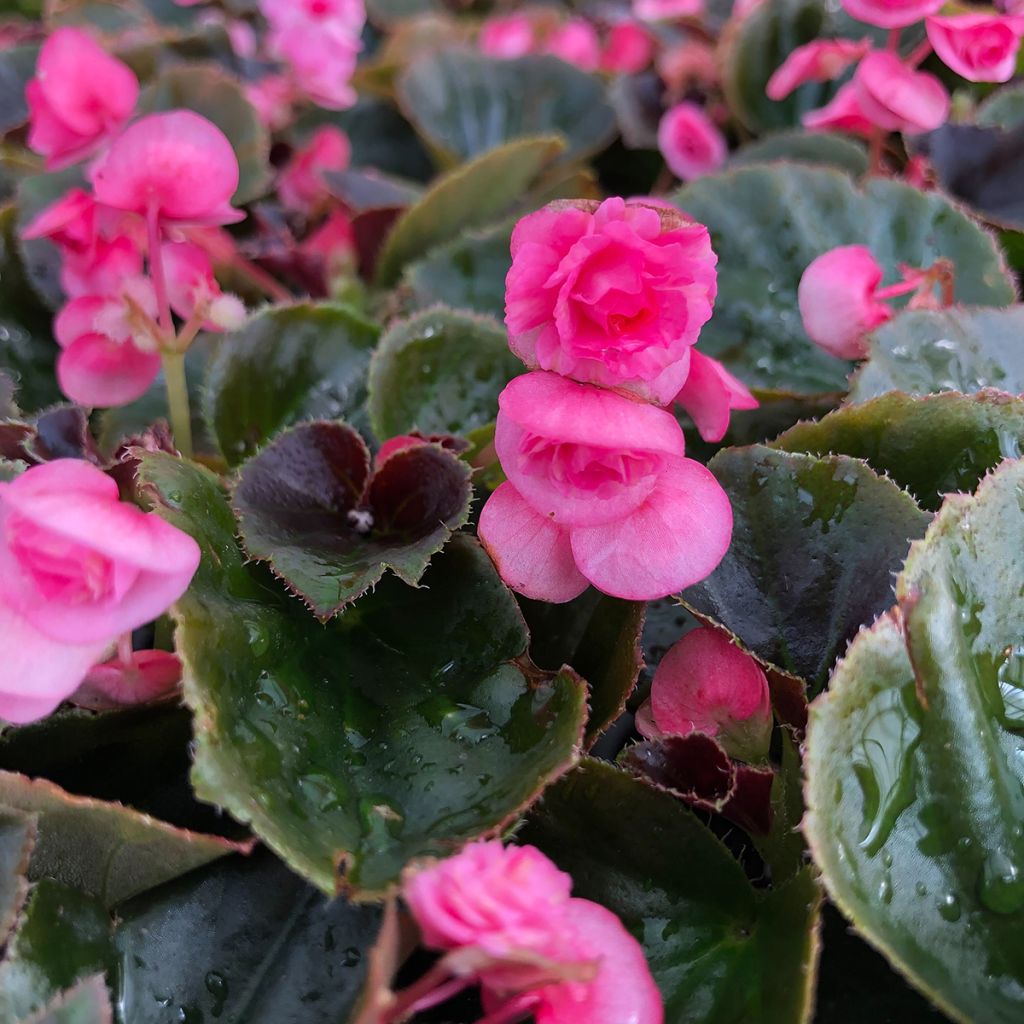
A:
(949, 908)
(1002, 885)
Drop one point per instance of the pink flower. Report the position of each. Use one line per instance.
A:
(575, 42)
(628, 48)
(612, 293)
(891, 13)
(843, 113)
(80, 97)
(110, 345)
(176, 166)
(710, 393)
(687, 65)
(78, 567)
(838, 303)
(301, 184)
(333, 246)
(598, 491)
(978, 47)
(896, 97)
(507, 36)
(667, 10)
(690, 142)
(272, 97)
(706, 684)
(819, 61)
(146, 677)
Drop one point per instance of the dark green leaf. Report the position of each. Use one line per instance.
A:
(398, 730)
(17, 65)
(309, 506)
(817, 148)
(815, 544)
(439, 372)
(241, 942)
(17, 837)
(40, 258)
(923, 351)
(286, 365)
(930, 446)
(210, 91)
(104, 849)
(768, 223)
(1003, 109)
(62, 938)
(472, 195)
(87, 1003)
(721, 952)
(466, 103)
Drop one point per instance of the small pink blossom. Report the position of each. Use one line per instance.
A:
(333, 246)
(80, 97)
(818, 61)
(177, 166)
(709, 395)
(598, 491)
(576, 43)
(898, 98)
(706, 684)
(843, 113)
(78, 568)
(891, 13)
(612, 293)
(628, 48)
(978, 47)
(300, 185)
(146, 677)
(507, 36)
(109, 345)
(192, 288)
(272, 98)
(838, 303)
(690, 142)
(667, 10)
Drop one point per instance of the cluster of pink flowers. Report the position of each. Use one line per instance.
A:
(504, 918)
(626, 47)
(887, 92)
(842, 300)
(319, 42)
(79, 569)
(604, 303)
(150, 181)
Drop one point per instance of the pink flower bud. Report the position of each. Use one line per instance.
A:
(598, 490)
(891, 13)
(706, 684)
(710, 393)
(300, 185)
(80, 97)
(837, 300)
(628, 49)
(576, 43)
(78, 567)
(819, 61)
(690, 142)
(612, 294)
(191, 286)
(176, 164)
(507, 36)
(979, 47)
(147, 677)
(843, 113)
(897, 98)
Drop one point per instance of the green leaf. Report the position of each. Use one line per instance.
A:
(1003, 109)
(472, 195)
(599, 636)
(40, 258)
(720, 951)
(87, 1003)
(466, 273)
(914, 797)
(218, 96)
(761, 41)
(768, 223)
(17, 837)
(930, 446)
(465, 103)
(923, 351)
(63, 937)
(299, 503)
(17, 66)
(796, 146)
(399, 730)
(107, 851)
(285, 365)
(244, 941)
(815, 544)
(439, 372)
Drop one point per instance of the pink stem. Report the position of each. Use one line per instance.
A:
(156, 271)
(893, 42)
(124, 649)
(512, 1012)
(918, 54)
(875, 152)
(409, 999)
(901, 288)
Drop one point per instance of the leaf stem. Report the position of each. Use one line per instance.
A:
(177, 400)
